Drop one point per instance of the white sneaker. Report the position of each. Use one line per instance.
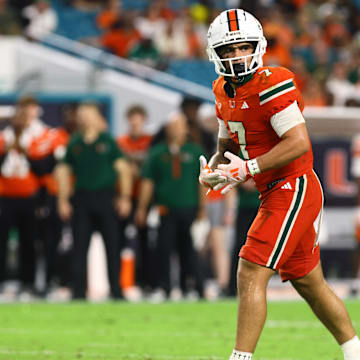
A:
(61, 294)
(158, 296)
(176, 295)
(133, 294)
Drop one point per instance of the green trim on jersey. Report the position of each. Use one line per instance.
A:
(289, 222)
(276, 90)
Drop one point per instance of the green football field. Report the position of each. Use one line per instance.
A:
(169, 331)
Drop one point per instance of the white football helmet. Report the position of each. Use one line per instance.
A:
(234, 26)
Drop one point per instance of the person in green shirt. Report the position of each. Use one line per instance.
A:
(94, 160)
(170, 177)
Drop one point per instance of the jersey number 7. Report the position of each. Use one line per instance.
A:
(238, 127)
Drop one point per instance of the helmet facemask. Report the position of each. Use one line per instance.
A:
(227, 67)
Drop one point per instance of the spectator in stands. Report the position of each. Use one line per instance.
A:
(324, 56)
(152, 23)
(338, 85)
(335, 30)
(171, 41)
(354, 66)
(135, 145)
(314, 94)
(302, 76)
(109, 15)
(121, 37)
(87, 5)
(94, 158)
(9, 23)
(179, 40)
(276, 53)
(167, 175)
(276, 26)
(19, 192)
(42, 20)
(146, 53)
(195, 49)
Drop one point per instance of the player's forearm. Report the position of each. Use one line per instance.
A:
(283, 153)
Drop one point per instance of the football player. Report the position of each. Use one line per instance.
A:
(262, 135)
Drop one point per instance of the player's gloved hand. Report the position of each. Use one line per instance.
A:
(208, 177)
(235, 172)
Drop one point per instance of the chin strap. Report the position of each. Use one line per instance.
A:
(236, 81)
(230, 92)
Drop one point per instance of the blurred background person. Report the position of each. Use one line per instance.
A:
(170, 176)
(109, 14)
(42, 19)
(135, 146)
(9, 22)
(20, 193)
(197, 132)
(220, 211)
(93, 157)
(247, 206)
(121, 37)
(44, 152)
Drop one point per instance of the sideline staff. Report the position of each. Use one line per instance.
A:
(94, 158)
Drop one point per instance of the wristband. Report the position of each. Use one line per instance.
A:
(253, 167)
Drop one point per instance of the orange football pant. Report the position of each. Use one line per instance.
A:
(284, 233)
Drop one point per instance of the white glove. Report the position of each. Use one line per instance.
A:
(235, 172)
(208, 177)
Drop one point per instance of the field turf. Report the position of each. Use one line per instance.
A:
(169, 331)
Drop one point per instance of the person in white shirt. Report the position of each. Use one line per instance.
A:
(42, 20)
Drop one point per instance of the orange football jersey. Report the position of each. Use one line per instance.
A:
(137, 147)
(46, 145)
(247, 119)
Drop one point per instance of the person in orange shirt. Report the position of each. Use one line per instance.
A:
(19, 192)
(277, 54)
(121, 37)
(43, 153)
(109, 15)
(134, 145)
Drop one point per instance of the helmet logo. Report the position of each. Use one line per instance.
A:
(233, 20)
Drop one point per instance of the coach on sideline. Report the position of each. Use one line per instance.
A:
(96, 161)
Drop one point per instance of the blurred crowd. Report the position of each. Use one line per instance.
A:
(318, 40)
(163, 238)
